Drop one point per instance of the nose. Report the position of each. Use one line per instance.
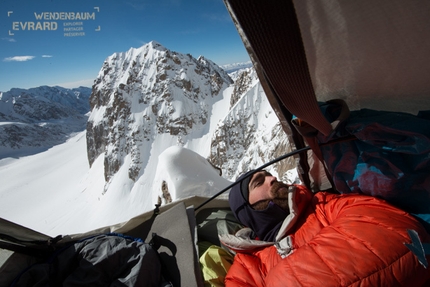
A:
(272, 179)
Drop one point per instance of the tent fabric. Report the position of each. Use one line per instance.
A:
(104, 260)
(20, 232)
(372, 54)
(275, 46)
(176, 232)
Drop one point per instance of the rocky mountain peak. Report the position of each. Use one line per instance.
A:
(145, 92)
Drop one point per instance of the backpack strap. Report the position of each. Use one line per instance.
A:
(166, 276)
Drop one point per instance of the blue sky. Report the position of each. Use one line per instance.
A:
(35, 52)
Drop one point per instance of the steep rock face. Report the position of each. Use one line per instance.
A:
(41, 117)
(144, 93)
(244, 81)
(250, 135)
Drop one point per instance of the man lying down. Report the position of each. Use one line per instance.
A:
(297, 238)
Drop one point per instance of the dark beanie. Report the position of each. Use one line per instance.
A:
(265, 223)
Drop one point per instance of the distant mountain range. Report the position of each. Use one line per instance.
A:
(230, 68)
(32, 120)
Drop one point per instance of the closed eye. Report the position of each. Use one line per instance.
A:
(259, 179)
(259, 182)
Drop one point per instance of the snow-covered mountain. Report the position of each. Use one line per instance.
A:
(144, 102)
(33, 119)
(148, 99)
(148, 93)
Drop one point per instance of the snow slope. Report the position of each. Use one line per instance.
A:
(39, 196)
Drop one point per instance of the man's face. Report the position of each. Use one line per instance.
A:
(263, 188)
